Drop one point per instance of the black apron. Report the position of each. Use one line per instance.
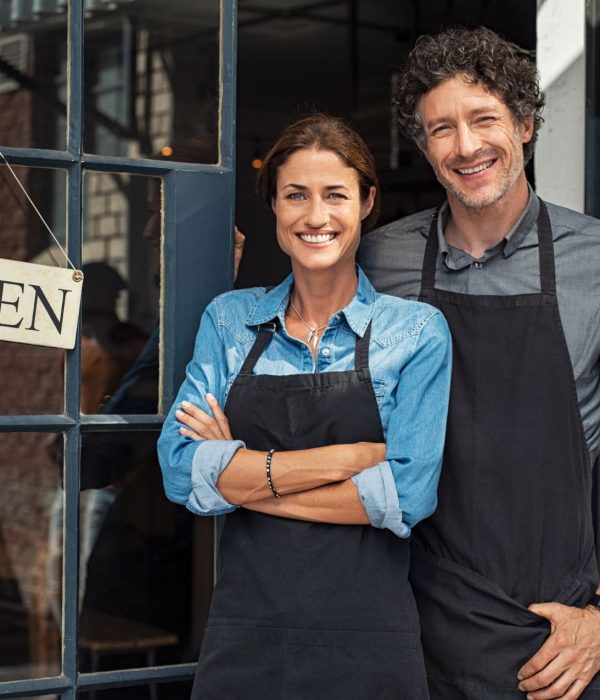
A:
(301, 610)
(513, 525)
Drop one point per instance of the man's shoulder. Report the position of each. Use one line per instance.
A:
(564, 219)
(417, 224)
(392, 255)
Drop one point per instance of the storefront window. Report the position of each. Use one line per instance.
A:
(152, 79)
(120, 304)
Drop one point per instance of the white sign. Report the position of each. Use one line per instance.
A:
(39, 305)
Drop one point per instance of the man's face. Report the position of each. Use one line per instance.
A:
(472, 142)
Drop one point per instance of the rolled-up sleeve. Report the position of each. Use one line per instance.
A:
(209, 461)
(379, 496)
(191, 468)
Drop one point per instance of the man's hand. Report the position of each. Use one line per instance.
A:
(238, 250)
(570, 657)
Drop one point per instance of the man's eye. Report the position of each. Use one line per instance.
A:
(487, 119)
(439, 130)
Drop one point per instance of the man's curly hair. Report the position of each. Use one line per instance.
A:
(481, 56)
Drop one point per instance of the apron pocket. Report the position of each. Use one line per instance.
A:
(473, 633)
(349, 665)
(240, 662)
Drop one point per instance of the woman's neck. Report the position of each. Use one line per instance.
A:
(318, 294)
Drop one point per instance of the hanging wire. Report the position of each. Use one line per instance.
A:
(37, 211)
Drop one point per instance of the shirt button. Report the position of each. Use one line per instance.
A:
(478, 265)
(325, 352)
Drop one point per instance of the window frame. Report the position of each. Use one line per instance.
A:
(198, 207)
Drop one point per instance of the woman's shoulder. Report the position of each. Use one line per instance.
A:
(232, 309)
(394, 318)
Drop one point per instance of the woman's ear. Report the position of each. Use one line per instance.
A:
(367, 204)
(273, 205)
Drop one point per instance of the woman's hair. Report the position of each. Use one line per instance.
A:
(480, 56)
(324, 133)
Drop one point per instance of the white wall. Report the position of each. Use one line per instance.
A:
(560, 151)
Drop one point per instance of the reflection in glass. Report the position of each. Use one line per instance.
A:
(30, 548)
(152, 79)
(120, 301)
(31, 376)
(33, 60)
(146, 563)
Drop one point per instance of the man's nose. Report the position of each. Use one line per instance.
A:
(468, 141)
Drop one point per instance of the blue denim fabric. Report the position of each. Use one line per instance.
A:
(410, 362)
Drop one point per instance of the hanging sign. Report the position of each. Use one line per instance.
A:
(39, 305)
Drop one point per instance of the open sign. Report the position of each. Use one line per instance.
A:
(39, 305)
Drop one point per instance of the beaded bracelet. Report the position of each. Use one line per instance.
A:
(269, 480)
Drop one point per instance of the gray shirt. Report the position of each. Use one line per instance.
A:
(392, 257)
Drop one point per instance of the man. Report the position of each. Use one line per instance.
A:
(504, 572)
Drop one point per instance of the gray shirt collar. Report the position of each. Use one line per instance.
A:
(457, 259)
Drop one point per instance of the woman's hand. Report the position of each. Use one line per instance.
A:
(199, 425)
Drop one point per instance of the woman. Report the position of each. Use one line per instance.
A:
(312, 599)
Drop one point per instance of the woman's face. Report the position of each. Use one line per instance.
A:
(319, 209)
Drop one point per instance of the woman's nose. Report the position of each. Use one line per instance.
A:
(317, 214)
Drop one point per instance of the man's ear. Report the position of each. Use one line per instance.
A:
(526, 128)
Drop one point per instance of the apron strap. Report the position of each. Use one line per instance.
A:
(546, 251)
(545, 246)
(263, 337)
(266, 331)
(431, 251)
(361, 350)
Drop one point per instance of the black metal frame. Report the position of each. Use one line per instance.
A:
(592, 136)
(197, 245)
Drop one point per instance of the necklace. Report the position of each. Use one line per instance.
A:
(312, 337)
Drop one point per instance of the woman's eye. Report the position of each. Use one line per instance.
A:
(296, 196)
(336, 195)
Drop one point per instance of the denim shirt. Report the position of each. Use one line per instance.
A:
(410, 363)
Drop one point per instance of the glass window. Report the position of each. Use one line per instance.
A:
(30, 555)
(33, 59)
(120, 302)
(146, 564)
(152, 79)
(31, 376)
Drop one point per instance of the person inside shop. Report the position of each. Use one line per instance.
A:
(326, 452)
(504, 572)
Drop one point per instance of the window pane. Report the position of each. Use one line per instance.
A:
(146, 563)
(31, 376)
(152, 79)
(120, 304)
(30, 555)
(33, 54)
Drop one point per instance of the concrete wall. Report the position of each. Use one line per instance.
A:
(560, 153)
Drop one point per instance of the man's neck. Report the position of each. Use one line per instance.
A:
(477, 230)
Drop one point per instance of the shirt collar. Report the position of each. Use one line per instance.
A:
(456, 259)
(357, 313)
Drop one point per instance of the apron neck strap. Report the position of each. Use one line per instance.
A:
(546, 251)
(545, 244)
(265, 333)
(431, 251)
(361, 350)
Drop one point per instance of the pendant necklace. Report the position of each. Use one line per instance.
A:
(312, 337)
